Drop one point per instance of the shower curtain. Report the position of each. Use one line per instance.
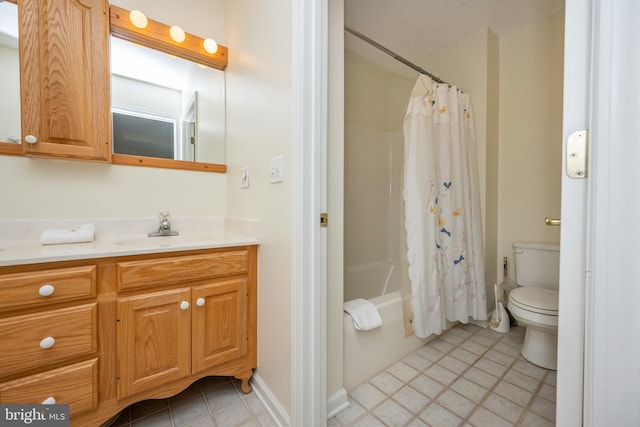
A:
(442, 208)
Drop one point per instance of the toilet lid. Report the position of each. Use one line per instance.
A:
(536, 299)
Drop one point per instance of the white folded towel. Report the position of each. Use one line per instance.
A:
(77, 234)
(364, 314)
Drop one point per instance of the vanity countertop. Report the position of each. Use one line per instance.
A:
(204, 235)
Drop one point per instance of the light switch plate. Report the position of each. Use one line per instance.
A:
(276, 169)
(244, 177)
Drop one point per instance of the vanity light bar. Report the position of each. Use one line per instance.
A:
(156, 36)
(138, 19)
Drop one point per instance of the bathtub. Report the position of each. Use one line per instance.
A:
(371, 280)
(367, 353)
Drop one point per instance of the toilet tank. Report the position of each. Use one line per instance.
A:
(537, 264)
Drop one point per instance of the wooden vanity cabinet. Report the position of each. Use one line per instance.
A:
(126, 328)
(201, 323)
(64, 76)
(48, 331)
(167, 335)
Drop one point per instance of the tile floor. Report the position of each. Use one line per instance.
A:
(210, 402)
(469, 376)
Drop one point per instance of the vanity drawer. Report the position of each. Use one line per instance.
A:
(164, 271)
(47, 286)
(75, 385)
(36, 340)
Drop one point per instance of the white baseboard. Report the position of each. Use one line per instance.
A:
(337, 403)
(270, 402)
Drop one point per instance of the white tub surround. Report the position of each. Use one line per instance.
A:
(20, 240)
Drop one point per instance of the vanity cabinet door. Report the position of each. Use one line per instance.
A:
(219, 323)
(64, 73)
(153, 339)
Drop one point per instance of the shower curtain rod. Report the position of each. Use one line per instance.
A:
(394, 55)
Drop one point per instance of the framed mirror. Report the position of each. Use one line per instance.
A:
(10, 83)
(197, 124)
(167, 97)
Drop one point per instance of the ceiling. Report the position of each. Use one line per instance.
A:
(415, 28)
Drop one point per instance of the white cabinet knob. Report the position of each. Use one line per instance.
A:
(200, 302)
(46, 290)
(184, 305)
(47, 342)
(49, 401)
(31, 139)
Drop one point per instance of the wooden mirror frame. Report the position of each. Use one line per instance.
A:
(155, 36)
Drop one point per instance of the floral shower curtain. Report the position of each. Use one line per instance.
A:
(442, 208)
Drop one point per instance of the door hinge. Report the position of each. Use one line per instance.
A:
(324, 220)
(577, 154)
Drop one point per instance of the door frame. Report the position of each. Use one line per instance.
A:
(309, 199)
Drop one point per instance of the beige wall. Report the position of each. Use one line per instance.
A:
(204, 18)
(44, 188)
(335, 199)
(516, 89)
(56, 189)
(471, 64)
(374, 98)
(531, 70)
(259, 97)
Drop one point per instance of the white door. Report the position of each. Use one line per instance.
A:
(599, 346)
(574, 207)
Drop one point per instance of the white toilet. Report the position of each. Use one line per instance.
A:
(534, 303)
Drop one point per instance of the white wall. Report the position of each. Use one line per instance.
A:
(259, 100)
(531, 70)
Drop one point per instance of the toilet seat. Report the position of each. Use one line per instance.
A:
(537, 300)
(538, 305)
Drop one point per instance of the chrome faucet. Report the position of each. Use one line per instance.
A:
(164, 228)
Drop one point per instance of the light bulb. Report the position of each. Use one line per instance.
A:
(177, 34)
(138, 19)
(210, 46)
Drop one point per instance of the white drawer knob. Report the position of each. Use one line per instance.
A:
(49, 401)
(184, 305)
(31, 139)
(200, 302)
(47, 342)
(46, 290)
